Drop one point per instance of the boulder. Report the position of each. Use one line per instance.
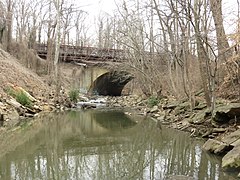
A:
(14, 103)
(199, 117)
(224, 113)
(215, 146)
(233, 138)
(232, 158)
(183, 106)
(230, 142)
(11, 118)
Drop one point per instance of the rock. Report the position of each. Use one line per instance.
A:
(47, 107)
(12, 118)
(128, 113)
(83, 98)
(200, 106)
(117, 105)
(183, 106)
(224, 113)
(154, 109)
(161, 118)
(170, 106)
(156, 115)
(232, 158)
(38, 108)
(219, 130)
(233, 138)
(206, 133)
(215, 146)
(14, 103)
(200, 117)
(29, 115)
(139, 99)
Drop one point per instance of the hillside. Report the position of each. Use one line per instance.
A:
(11, 71)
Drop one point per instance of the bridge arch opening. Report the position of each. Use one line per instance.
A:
(110, 83)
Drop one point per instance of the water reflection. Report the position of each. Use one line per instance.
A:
(97, 145)
(113, 119)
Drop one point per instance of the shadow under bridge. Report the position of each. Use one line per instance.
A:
(110, 83)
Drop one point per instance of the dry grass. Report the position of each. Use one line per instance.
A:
(11, 71)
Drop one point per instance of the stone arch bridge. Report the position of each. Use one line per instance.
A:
(99, 68)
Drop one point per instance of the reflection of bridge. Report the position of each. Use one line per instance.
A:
(82, 54)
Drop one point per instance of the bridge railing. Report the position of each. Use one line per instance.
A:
(80, 52)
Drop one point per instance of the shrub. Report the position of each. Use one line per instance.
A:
(10, 91)
(23, 99)
(73, 95)
(152, 101)
(20, 97)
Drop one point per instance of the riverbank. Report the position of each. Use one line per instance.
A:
(220, 130)
(23, 93)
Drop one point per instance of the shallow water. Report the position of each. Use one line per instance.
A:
(105, 145)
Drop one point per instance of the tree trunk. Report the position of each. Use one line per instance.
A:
(57, 49)
(222, 43)
(9, 24)
(202, 56)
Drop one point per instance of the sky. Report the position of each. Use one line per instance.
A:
(94, 7)
(230, 8)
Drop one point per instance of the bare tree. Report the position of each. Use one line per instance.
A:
(9, 19)
(58, 5)
(2, 21)
(81, 28)
(222, 42)
(67, 23)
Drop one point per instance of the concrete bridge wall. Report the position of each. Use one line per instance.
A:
(88, 76)
(102, 81)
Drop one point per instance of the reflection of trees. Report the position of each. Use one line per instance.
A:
(61, 150)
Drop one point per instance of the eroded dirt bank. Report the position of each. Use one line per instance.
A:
(17, 79)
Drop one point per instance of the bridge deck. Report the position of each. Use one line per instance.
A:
(70, 53)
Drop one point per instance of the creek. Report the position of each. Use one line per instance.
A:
(105, 145)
